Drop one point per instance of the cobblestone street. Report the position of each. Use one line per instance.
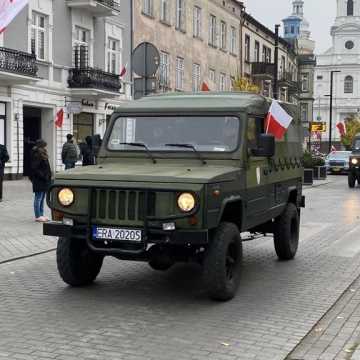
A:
(133, 312)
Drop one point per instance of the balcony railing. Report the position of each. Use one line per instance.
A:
(113, 4)
(90, 78)
(18, 62)
(261, 69)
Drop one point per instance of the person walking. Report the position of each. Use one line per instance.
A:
(69, 154)
(40, 178)
(87, 152)
(4, 158)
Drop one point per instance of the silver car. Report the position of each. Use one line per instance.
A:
(337, 162)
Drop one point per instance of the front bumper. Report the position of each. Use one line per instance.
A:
(151, 236)
(355, 170)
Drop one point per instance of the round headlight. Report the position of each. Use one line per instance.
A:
(186, 202)
(66, 197)
(354, 161)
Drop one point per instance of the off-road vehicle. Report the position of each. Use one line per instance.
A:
(354, 163)
(179, 178)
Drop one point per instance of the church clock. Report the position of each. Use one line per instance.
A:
(349, 45)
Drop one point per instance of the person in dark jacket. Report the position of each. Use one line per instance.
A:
(4, 158)
(69, 152)
(87, 152)
(40, 178)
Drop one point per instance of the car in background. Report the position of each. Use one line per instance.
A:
(337, 162)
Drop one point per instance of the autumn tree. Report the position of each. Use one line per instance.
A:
(244, 84)
(352, 125)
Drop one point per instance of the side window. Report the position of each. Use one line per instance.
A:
(255, 128)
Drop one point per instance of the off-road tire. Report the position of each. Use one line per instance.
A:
(222, 263)
(351, 180)
(76, 263)
(286, 233)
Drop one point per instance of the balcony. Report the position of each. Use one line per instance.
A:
(286, 79)
(263, 71)
(94, 82)
(17, 67)
(97, 7)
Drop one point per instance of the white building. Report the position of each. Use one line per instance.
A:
(53, 54)
(343, 56)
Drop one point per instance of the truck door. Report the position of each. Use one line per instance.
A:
(257, 172)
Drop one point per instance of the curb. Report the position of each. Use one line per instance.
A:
(26, 256)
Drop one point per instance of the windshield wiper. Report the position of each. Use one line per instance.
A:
(189, 146)
(139, 144)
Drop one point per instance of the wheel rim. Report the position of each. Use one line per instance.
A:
(231, 261)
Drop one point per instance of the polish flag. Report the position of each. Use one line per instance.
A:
(8, 10)
(342, 129)
(123, 70)
(277, 120)
(59, 118)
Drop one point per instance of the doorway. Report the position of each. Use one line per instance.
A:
(32, 132)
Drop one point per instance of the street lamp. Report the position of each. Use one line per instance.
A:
(331, 106)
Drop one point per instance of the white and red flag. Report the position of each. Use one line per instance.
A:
(8, 10)
(277, 121)
(123, 70)
(59, 120)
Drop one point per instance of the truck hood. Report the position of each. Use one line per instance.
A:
(151, 173)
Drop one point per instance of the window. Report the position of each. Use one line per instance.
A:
(196, 77)
(81, 47)
(180, 73)
(2, 123)
(164, 16)
(286, 30)
(197, 22)
(180, 15)
(212, 76)
(232, 82)
(304, 112)
(114, 60)
(257, 52)
(148, 7)
(222, 82)
(292, 29)
(350, 8)
(83, 126)
(348, 85)
(233, 40)
(223, 31)
(268, 55)
(212, 30)
(264, 52)
(247, 48)
(38, 36)
(305, 82)
(283, 65)
(164, 69)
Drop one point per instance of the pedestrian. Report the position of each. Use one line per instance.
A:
(40, 178)
(87, 152)
(4, 158)
(69, 154)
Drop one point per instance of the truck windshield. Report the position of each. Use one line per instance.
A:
(205, 133)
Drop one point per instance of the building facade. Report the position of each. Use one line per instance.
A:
(60, 55)
(342, 57)
(198, 41)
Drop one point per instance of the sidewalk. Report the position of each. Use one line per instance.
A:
(20, 236)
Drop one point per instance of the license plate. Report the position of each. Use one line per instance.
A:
(336, 169)
(115, 234)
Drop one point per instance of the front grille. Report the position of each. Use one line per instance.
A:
(337, 163)
(121, 205)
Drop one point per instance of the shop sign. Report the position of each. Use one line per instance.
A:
(73, 107)
(85, 102)
(318, 127)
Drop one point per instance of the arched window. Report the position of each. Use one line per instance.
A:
(349, 85)
(350, 8)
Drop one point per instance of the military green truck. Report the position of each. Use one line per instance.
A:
(354, 163)
(180, 178)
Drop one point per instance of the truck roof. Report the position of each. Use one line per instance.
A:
(201, 101)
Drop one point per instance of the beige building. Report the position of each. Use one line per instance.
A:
(198, 40)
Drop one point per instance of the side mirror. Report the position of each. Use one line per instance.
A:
(266, 146)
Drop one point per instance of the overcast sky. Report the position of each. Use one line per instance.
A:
(320, 14)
